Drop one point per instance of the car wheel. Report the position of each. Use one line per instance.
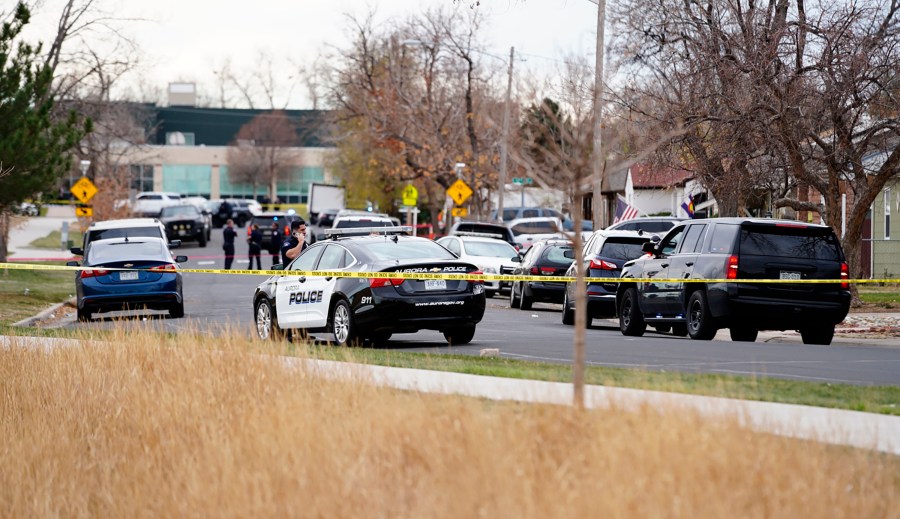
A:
(84, 315)
(525, 300)
(701, 326)
(209, 234)
(679, 330)
(631, 321)
(202, 239)
(568, 314)
(460, 335)
(743, 334)
(342, 324)
(177, 310)
(821, 335)
(513, 300)
(266, 324)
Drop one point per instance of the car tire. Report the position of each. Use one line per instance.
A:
(525, 301)
(342, 325)
(679, 330)
(84, 315)
(513, 300)
(743, 333)
(460, 335)
(202, 239)
(822, 335)
(701, 325)
(266, 323)
(568, 315)
(177, 310)
(631, 321)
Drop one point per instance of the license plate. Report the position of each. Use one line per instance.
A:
(435, 284)
(793, 276)
(128, 275)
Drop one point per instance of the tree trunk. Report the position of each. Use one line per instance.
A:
(4, 234)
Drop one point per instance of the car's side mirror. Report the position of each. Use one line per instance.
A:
(516, 259)
(180, 259)
(78, 251)
(649, 247)
(72, 263)
(569, 253)
(174, 244)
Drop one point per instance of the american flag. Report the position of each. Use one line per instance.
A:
(624, 211)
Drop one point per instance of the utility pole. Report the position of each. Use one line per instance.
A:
(501, 191)
(597, 163)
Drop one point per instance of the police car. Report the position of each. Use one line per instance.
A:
(369, 308)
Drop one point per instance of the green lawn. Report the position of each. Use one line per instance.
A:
(27, 292)
(52, 240)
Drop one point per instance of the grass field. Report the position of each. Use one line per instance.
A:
(26, 292)
(162, 427)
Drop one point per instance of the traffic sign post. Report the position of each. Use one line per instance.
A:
(84, 211)
(521, 181)
(459, 191)
(410, 195)
(460, 211)
(84, 190)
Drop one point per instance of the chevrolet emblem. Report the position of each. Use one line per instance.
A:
(436, 269)
(128, 265)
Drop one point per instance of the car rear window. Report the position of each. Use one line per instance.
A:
(622, 248)
(790, 242)
(403, 249)
(131, 232)
(124, 251)
(487, 229)
(556, 254)
(355, 224)
(267, 221)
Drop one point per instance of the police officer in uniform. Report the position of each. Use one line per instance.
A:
(228, 233)
(296, 242)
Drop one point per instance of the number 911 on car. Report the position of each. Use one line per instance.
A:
(356, 309)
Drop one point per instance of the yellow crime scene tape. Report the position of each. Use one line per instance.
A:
(433, 275)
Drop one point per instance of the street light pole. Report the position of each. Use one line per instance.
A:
(501, 191)
(597, 163)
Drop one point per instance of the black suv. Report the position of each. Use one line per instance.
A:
(714, 256)
(271, 237)
(184, 222)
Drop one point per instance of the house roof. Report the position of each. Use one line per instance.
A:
(648, 176)
(219, 126)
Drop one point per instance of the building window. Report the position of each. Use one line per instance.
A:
(887, 214)
(180, 138)
(142, 177)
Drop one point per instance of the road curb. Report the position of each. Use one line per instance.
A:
(29, 321)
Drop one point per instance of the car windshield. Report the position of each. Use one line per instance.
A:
(538, 227)
(126, 251)
(489, 249)
(355, 224)
(790, 242)
(179, 210)
(403, 249)
(622, 248)
(130, 232)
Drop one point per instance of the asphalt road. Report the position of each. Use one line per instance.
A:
(217, 303)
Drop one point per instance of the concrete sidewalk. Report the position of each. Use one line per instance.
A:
(27, 229)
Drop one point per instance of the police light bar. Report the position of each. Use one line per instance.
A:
(362, 231)
(479, 234)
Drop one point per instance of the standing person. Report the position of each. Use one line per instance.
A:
(277, 240)
(255, 242)
(228, 233)
(296, 242)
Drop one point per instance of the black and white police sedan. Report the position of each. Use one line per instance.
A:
(362, 308)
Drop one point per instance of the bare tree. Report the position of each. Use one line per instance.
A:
(265, 151)
(780, 94)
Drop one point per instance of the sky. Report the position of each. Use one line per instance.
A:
(186, 40)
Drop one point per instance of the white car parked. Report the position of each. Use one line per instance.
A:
(491, 255)
(526, 231)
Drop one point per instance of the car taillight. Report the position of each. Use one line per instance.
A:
(731, 268)
(385, 282)
(543, 271)
(603, 265)
(845, 276)
(169, 267)
(92, 273)
(287, 230)
(477, 281)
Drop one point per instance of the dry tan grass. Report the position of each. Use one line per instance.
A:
(145, 426)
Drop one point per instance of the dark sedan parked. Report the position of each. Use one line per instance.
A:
(605, 252)
(184, 222)
(544, 258)
(154, 284)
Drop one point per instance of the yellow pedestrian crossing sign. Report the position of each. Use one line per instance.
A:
(410, 195)
(459, 191)
(84, 190)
